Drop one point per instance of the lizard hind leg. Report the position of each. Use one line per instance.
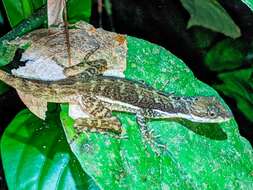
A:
(100, 120)
(148, 135)
(110, 126)
(98, 125)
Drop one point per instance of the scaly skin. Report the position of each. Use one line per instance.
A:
(123, 95)
(99, 96)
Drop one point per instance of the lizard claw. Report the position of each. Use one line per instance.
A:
(148, 135)
(153, 140)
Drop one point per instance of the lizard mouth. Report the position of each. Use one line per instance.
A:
(193, 118)
(211, 120)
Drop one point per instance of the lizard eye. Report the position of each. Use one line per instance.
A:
(175, 98)
(212, 112)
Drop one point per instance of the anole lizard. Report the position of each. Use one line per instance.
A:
(100, 95)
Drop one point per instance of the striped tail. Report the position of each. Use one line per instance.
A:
(9, 79)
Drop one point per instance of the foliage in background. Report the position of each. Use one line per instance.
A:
(78, 10)
(227, 54)
(17, 10)
(239, 86)
(212, 15)
(108, 6)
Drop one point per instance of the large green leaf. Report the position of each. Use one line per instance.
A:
(249, 3)
(239, 86)
(198, 156)
(210, 14)
(35, 155)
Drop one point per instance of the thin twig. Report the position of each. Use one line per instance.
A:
(66, 30)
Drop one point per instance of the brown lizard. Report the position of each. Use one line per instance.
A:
(100, 95)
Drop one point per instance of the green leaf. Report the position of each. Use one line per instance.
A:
(202, 38)
(226, 55)
(37, 19)
(7, 53)
(79, 10)
(18, 10)
(210, 14)
(239, 86)
(36, 155)
(108, 7)
(249, 3)
(197, 155)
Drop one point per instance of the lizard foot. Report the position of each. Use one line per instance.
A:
(75, 137)
(109, 126)
(149, 137)
(153, 140)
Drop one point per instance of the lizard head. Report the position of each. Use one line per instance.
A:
(207, 109)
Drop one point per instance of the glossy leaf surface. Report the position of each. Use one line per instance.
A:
(36, 155)
(197, 155)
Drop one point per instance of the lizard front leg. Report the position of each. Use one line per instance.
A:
(87, 68)
(100, 121)
(147, 134)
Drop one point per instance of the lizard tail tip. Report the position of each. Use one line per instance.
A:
(6, 78)
(3, 74)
